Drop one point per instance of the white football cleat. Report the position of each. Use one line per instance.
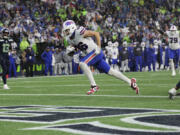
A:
(6, 87)
(173, 73)
(172, 93)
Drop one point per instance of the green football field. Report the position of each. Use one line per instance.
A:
(59, 105)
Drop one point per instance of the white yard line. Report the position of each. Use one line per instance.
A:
(76, 75)
(86, 80)
(81, 85)
(83, 95)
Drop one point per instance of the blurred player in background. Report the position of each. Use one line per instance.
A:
(108, 50)
(173, 38)
(114, 55)
(5, 48)
(174, 46)
(80, 38)
(123, 56)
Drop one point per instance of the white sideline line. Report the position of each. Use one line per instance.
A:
(83, 95)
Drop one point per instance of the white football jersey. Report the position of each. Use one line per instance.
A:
(86, 45)
(109, 51)
(114, 53)
(173, 39)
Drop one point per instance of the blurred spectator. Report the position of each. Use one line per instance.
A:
(47, 57)
(29, 61)
(129, 20)
(23, 62)
(12, 63)
(58, 61)
(67, 63)
(24, 44)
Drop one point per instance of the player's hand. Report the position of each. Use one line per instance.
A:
(70, 49)
(97, 50)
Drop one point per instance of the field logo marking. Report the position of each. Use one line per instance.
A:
(53, 115)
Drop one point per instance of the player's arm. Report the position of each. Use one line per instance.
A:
(89, 33)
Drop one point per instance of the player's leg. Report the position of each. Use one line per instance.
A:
(126, 65)
(103, 66)
(51, 68)
(171, 62)
(123, 65)
(172, 92)
(149, 64)
(55, 68)
(66, 68)
(4, 66)
(46, 68)
(90, 59)
(86, 70)
(70, 68)
(61, 66)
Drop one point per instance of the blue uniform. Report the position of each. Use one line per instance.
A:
(152, 58)
(131, 57)
(138, 57)
(12, 65)
(174, 54)
(97, 61)
(47, 57)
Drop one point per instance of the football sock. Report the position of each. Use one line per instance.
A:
(119, 75)
(172, 65)
(87, 72)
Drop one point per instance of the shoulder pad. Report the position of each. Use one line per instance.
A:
(81, 30)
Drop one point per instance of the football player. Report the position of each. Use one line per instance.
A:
(114, 55)
(174, 45)
(81, 39)
(5, 48)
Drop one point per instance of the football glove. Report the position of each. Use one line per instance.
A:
(97, 50)
(70, 50)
